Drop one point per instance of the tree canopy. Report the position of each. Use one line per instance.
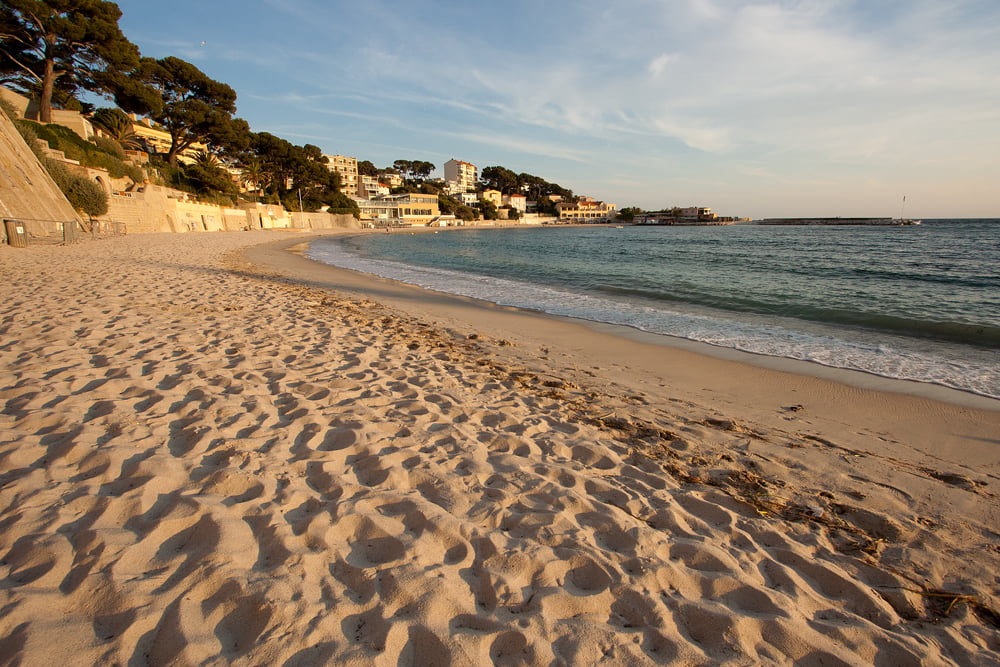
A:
(191, 106)
(116, 124)
(500, 178)
(533, 187)
(285, 172)
(414, 168)
(59, 46)
(52, 49)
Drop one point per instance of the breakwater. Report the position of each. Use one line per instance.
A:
(876, 222)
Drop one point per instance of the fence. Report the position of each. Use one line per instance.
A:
(22, 232)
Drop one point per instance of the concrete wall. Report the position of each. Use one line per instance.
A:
(27, 108)
(26, 191)
(157, 209)
(324, 221)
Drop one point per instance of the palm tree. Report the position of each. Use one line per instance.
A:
(116, 124)
(254, 176)
(206, 159)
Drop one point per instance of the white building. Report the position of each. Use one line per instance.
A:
(460, 176)
(516, 202)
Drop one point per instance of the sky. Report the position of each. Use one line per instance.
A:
(754, 108)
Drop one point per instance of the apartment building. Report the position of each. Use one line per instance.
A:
(347, 167)
(371, 187)
(460, 176)
(392, 180)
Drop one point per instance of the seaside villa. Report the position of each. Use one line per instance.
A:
(585, 209)
(401, 210)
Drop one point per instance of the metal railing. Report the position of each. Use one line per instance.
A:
(22, 232)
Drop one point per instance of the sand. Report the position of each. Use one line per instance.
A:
(214, 451)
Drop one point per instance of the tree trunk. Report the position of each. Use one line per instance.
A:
(48, 83)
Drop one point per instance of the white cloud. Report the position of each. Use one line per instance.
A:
(660, 62)
(784, 86)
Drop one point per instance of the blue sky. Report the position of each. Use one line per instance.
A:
(752, 107)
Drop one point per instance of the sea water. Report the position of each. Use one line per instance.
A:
(918, 303)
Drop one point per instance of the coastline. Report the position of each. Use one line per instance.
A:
(216, 447)
(861, 350)
(650, 355)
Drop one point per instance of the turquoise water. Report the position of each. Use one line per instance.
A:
(919, 303)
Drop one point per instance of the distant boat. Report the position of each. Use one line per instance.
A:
(902, 220)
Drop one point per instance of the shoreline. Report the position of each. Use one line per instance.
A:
(854, 377)
(215, 449)
(719, 373)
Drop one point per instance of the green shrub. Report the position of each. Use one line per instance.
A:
(30, 137)
(83, 194)
(110, 146)
(106, 156)
(87, 196)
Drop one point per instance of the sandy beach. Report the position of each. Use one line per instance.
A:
(216, 451)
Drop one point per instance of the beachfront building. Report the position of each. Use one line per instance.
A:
(517, 202)
(467, 198)
(409, 209)
(370, 187)
(347, 167)
(460, 176)
(495, 197)
(585, 209)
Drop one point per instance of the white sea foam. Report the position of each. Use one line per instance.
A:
(885, 355)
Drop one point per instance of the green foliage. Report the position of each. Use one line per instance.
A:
(189, 105)
(83, 194)
(116, 124)
(507, 182)
(366, 168)
(27, 131)
(55, 48)
(489, 210)
(287, 172)
(74, 147)
(341, 203)
(87, 196)
(502, 179)
(546, 206)
(110, 146)
(628, 213)
(254, 175)
(415, 169)
(450, 206)
(207, 178)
